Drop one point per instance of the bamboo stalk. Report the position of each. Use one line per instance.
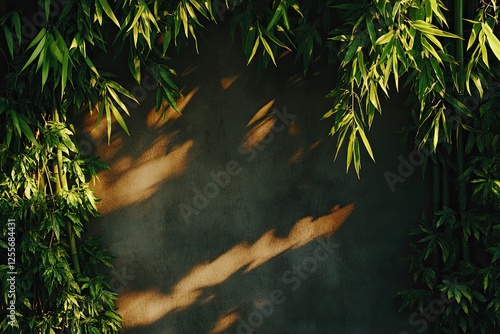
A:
(436, 206)
(446, 185)
(462, 196)
(63, 185)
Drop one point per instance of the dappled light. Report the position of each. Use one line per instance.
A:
(226, 82)
(225, 321)
(140, 308)
(261, 113)
(167, 113)
(259, 126)
(301, 152)
(141, 177)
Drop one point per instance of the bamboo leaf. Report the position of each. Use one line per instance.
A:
(116, 86)
(136, 68)
(254, 50)
(166, 77)
(170, 99)
(45, 66)
(350, 150)
(158, 99)
(166, 41)
(37, 38)
(371, 30)
(35, 53)
(184, 19)
(295, 6)
(477, 82)
(107, 9)
(64, 72)
(54, 49)
(373, 95)
(47, 10)
(9, 40)
(368, 147)
(118, 117)
(457, 105)
(26, 129)
(98, 13)
(276, 40)
(91, 65)
(430, 29)
(276, 17)
(357, 156)
(493, 41)
(268, 49)
(117, 99)
(473, 35)
(385, 38)
(484, 51)
(15, 121)
(17, 27)
(427, 46)
(134, 23)
(435, 123)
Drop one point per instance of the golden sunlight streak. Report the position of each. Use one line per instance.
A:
(154, 118)
(139, 179)
(299, 154)
(225, 322)
(225, 83)
(261, 113)
(259, 132)
(144, 308)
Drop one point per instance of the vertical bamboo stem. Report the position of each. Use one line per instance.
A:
(63, 185)
(446, 185)
(462, 196)
(436, 206)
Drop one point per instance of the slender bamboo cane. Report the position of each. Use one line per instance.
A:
(446, 185)
(436, 205)
(63, 185)
(462, 196)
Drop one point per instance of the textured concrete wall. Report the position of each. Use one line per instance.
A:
(233, 218)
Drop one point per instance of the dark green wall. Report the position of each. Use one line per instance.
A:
(249, 260)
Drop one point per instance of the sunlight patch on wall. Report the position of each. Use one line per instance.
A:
(264, 111)
(225, 83)
(259, 132)
(154, 118)
(259, 126)
(224, 322)
(130, 181)
(146, 307)
(299, 154)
